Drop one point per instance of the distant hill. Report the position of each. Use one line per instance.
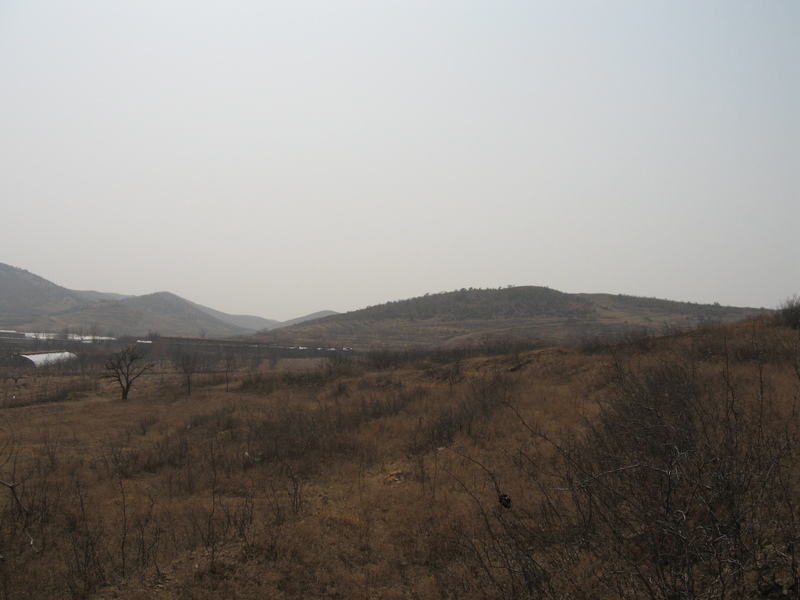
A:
(260, 324)
(248, 322)
(162, 313)
(190, 319)
(317, 315)
(24, 296)
(93, 296)
(528, 312)
(31, 303)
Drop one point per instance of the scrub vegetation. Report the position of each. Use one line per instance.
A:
(470, 316)
(646, 467)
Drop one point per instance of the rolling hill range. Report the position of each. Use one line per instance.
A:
(474, 315)
(24, 295)
(31, 303)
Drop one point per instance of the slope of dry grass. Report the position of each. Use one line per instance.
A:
(654, 468)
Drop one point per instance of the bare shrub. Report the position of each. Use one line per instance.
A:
(788, 313)
(485, 397)
(684, 487)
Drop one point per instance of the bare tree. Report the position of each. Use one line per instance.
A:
(127, 365)
(231, 363)
(15, 369)
(189, 362)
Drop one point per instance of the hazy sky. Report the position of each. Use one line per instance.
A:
(279, 158)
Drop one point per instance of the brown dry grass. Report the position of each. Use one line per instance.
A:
(323, 482)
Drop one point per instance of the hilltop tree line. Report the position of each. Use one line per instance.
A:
(476, 303)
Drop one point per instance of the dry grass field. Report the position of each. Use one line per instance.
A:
(655, 467)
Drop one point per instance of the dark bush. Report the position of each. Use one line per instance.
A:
(788, 313)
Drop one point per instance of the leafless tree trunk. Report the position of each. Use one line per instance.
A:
(126, 366)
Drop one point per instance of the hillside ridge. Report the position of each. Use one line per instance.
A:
(465, 316)
(469, 316)
(31, 303)
(25, 295)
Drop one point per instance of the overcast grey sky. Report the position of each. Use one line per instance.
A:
(279, 158)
